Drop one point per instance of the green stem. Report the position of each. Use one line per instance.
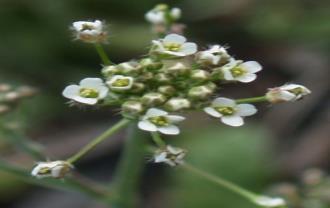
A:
(121, 124)
(158, 140)
(222, 182)
(127, 177)
(104, 57)
(252, 100)
(72, 185)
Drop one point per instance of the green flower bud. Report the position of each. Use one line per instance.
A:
(200, 75)
(200, 92)
(111, 70)
(163, 78)
(138, 87)
(166, 90)
(146, 76)
(176, 104)
(4, 109)
(150, 64)
(130, 68)
(175, 68)
(132, 108)
(211, 86)
(153, 98)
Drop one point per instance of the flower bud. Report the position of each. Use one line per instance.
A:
(120, 83)
(166, 90)
(146, 76)
(90, 32)
(131, 68)
(137, 87)
(287, 93)
(153, 98)
(268, 202)
(176, 104)
(111, 70)
(163, 78)
(12, 96)
(55, 169)
(132, 108)
(200, 75)
(26, 91)
(150, 64)
(200, 92)
(175, 68)
(5, 87)
(4, 109)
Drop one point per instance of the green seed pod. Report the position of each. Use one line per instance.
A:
(150, 64)
(200, 92)
(200, 75)
(153, 99)
(166, 90)
(132, 108)
(176, 104)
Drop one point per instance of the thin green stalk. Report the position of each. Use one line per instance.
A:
(121, 124)
(158, 140)
(22, 143)
(252, 100)
(72, 185)
(128, 174)
(222, 182)
(104, 57)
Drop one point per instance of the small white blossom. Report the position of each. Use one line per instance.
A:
(158, 120)
(90, 32)
(213, 56)
(229, 112)
(241, 71)
(162, 15)
(269, 201)
(89, 91)
(287, 93)
(170, 155)
(54, 169)
(120, 83)
(174, 45)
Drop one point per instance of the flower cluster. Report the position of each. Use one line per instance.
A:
(10, 96)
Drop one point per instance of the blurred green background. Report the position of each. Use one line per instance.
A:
(291, 39)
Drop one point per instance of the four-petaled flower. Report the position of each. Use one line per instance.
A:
(270, 202)
(158, 120)
(241, 71)
(54, 169)
(89, 91)
(174, 45)
(170, 155)
(213, 56)
(120, 83)
(287, 93)
(229, 112)
(90, 32)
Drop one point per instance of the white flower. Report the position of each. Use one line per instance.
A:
(174, 45)
(55, 169)
(120, 82)
(162, 15)
(287, 93)
(90, 32)
(213, 56)
(89, 91)
(229, 112)
(239, 71)
(159, 120)
(170, 155)
(270, 202)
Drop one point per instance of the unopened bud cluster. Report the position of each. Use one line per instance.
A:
(10, 96)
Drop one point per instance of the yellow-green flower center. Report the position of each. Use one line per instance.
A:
(121, 83)
(297, 91)
(237, 71)
(226, 111)
(159, 120)
(172, 46)
(88, 93)
(44, 171)
(87, 27)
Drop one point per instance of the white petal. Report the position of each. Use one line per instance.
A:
(152, 112)
(226, 102)
(174, 38)
(94, 83)
(103, 91)
(286, 96)
(246, 78)
(147, 126)
(173, 150)
(189, 48)
(270, 202)
(251, 66)
(171, 130)
(71, 91)
(212, 112)
(233, 120)
(246, 110)
(175, 119)
(88, 101)
(227, 74)
(160, 157)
